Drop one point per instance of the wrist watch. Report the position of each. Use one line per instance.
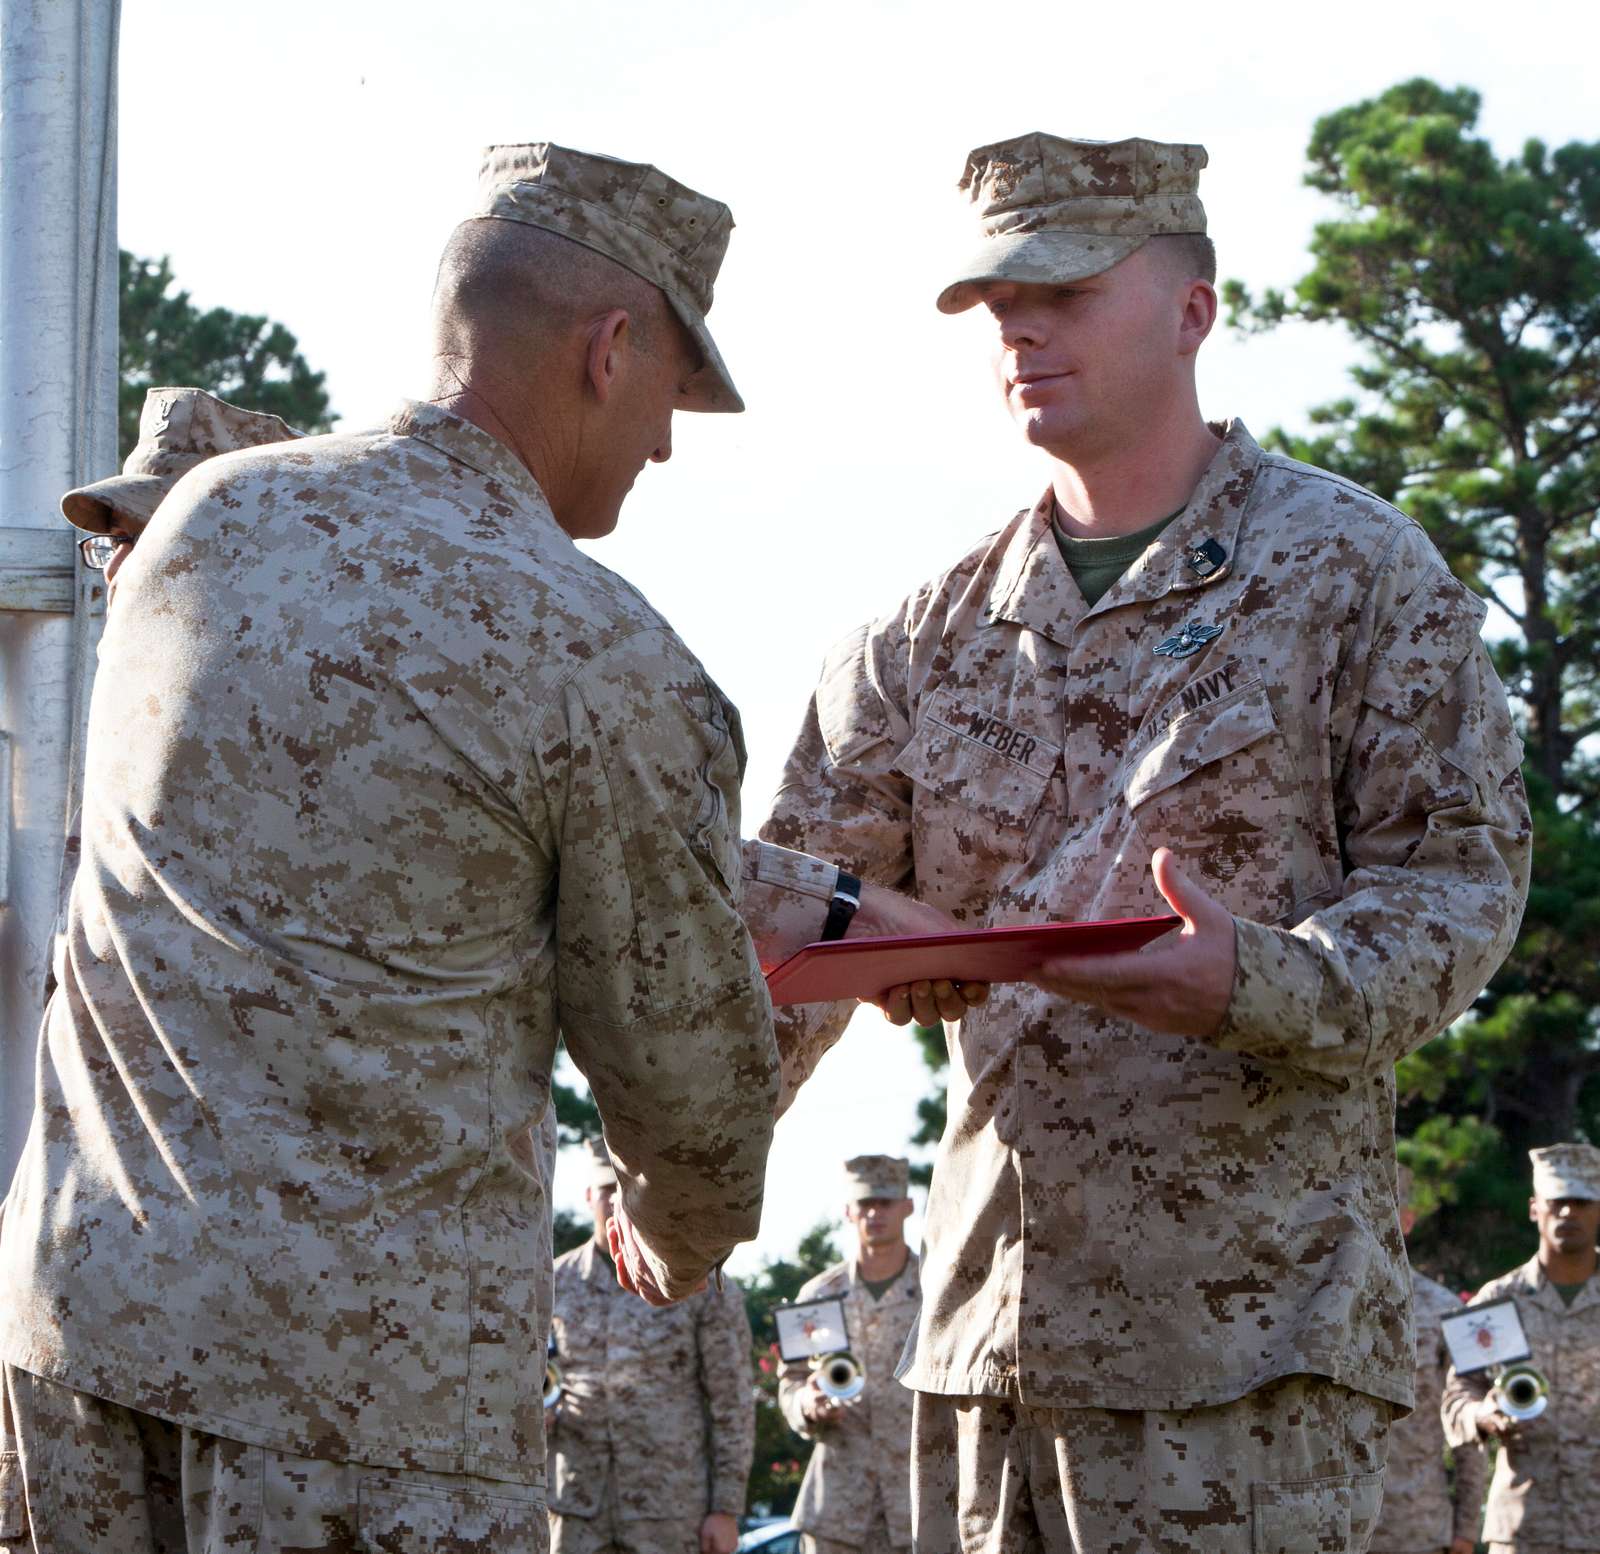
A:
(845, 904)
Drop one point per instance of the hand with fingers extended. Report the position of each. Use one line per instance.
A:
(633, 1272)
(1180, 985)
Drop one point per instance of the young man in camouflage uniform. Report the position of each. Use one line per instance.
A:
(1427, 1508)
(1165, 1299)
(386, 782)
(651, 1440)
(857, 1489)
(1545, 1494)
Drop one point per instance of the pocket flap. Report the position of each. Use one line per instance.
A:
(1198, 738)
(1313, 1516)
(973, 758)
(402, 1517)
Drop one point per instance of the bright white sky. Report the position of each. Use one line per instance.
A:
(307, 160)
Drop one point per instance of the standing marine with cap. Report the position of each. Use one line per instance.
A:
(178, 429)
(652, 1437)
(857, 1490)
(1427, 1507)
(1165, 1300)
(389, 782)
(1545, 1493)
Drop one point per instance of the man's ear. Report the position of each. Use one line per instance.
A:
(1533, 1210)
(609, 336)
(1199, 315)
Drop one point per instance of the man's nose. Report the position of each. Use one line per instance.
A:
(1023, 329)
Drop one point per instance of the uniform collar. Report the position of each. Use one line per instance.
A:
(1034, 589)
(1547, 1295)
(467, 444)
(907, 1273)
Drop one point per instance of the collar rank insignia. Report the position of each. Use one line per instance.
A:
(1204, 558)
(1190, 640)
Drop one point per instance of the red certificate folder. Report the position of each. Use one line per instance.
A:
(863, 968)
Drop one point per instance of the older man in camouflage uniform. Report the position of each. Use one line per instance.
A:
(651, 1440)
(1545, 1494)
(857, 1490)
(1165, 1299)
(1427, 1507)
(394, 783)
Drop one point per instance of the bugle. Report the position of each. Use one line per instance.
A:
(839, 1376)
(1520, 1392)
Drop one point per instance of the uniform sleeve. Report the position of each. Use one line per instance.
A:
(1434, 825)
(785, 898)
(795, 1374)
(633, 777)
(723, 1335)
(841, 799)
(791, 1386)
(1458, 1408)
(1471, 1470)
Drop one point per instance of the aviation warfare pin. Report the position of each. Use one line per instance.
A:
(1189, 641)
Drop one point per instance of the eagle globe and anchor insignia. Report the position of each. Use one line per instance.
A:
(1190, 640)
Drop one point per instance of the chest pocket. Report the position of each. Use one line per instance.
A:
(981, 778)
(1217, 785)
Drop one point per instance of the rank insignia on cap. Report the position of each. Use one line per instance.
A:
(1190, 640)
(1205, 557)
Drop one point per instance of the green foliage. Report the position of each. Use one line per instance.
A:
(933, 1108)
(781, 1456)
(245, 359)
(1472, 284)
(570, 1230)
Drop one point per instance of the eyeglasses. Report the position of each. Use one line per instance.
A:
(100, 550)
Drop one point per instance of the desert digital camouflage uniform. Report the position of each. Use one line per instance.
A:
(1289, 689)
(1425, 1506)
(396, 781)
(178, 429)
(1545, 1493)
(857, 1490)
(655, 1428)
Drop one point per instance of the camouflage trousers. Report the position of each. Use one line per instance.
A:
(874, 1538)
(607, 1533)
(79, 1475)
(1293, 1468)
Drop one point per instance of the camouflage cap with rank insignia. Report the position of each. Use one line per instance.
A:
(630, 212)
(1057, 210)
(178, 428)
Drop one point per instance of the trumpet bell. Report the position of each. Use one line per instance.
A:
(552, 1384)
(1521, 1393)
(840, 1377)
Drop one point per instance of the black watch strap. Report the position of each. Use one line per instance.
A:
(845, 904)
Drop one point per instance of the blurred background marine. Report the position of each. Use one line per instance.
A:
(651, 1439)
(856, 1493)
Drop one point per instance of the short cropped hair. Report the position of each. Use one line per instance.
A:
(1191, 252)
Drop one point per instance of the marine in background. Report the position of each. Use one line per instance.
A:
(652, 1436)
(1544, 1496)
(857, 1490)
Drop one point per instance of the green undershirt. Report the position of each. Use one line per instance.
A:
(1096, 565)
(1568, 1292)
(878, 1288)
